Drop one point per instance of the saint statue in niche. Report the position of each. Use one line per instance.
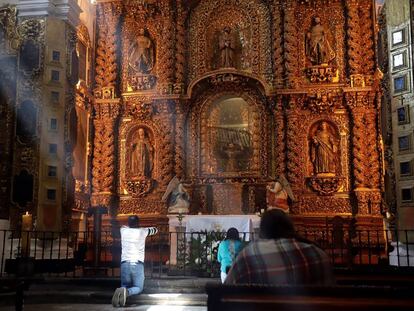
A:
(141, 56)
(227, 47)
(317, 46)
(323, 151)
(142, 156)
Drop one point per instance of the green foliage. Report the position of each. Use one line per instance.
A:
(203, 247)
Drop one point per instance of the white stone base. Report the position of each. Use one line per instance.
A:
(402, 255)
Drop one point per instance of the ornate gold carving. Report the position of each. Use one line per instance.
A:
(295, 150)
(181, 113)
(32, 29)
(366, 30)
(139, 188)
(266, 56)
(106, 65)
(291, 44)
(329, 205)
(247, 19)
(280, 141)
(322, 101)
(8, 23)
(321, 73)
(201, 120)
(103, 164)
(180, 46)
(277, 42)
(141, 82)
(325, 185)
(369, 201)
(140, 110)
(354, 37)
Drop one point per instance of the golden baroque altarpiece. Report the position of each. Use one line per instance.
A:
(227, 95)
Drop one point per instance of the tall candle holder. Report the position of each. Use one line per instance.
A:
(26, 234)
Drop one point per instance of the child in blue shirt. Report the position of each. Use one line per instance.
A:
(228, 251)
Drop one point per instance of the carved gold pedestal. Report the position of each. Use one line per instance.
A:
(227, 199)
(321, 73)
(325, 185)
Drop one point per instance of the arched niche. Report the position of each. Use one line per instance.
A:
(23, 188)
(324, 149)
(26, 121)
(249, 25)
(140, 153)
(227, 136)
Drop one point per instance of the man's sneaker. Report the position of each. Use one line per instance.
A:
(123, 297)
(115, 297)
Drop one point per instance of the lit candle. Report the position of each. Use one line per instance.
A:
(27, 222)
(262, 211)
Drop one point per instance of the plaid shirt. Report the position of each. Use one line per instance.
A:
(282, 261)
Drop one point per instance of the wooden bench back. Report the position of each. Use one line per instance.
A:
(308, 298)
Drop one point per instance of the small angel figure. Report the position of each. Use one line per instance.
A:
(277, 194)
(177, 198)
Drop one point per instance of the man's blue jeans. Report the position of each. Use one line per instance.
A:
(132, 277)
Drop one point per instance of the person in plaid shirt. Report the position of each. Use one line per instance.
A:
(280, 257)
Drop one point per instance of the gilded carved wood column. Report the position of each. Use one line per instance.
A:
(365, 152)
(277, 43)
(166, 147)
(354, 37)
(106, 107)
(180, 48)
(180, 116)
(367, 38)
(291, 49)
(166, 50)
(293, 144)
(280, 141)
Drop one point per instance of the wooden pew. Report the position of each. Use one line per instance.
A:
(312, 298)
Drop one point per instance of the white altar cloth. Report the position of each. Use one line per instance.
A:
(200, 223)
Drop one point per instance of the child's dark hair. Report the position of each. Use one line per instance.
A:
(232, 234)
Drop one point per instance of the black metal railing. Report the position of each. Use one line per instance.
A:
(186, 253)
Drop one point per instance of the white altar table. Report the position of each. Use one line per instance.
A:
(199, 223)
(191, 224)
